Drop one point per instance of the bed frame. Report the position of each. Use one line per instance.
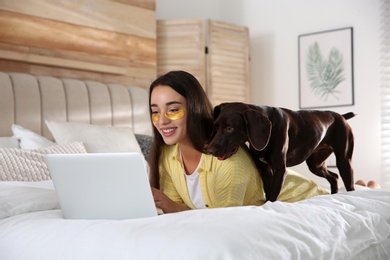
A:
(322, 227)
(29, 100)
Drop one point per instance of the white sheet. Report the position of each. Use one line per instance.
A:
(350, 225)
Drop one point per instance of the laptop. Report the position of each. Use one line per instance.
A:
(101, 185)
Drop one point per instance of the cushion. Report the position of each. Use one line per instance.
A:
(29, 139)
(9, 142)
(145, 143)
(96, 139)
(18, 197)
(29, 165)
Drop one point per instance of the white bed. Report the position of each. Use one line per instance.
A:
(353, 225)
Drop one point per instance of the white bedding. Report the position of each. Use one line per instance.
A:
(354, 225)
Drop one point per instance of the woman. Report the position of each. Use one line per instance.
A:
(183, 175)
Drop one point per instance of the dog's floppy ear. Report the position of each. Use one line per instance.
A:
(217, 110)
(258, 128)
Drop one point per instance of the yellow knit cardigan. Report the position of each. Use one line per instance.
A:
(232, 182)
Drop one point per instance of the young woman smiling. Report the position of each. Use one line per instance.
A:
(182, 174)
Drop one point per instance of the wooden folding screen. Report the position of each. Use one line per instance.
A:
(217, 53)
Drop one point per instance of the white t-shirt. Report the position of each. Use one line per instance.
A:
(193, 186)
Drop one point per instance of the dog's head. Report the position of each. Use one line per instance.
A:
(235, 124)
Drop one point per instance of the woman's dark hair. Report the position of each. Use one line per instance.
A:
(199, 116)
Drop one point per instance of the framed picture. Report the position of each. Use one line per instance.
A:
(326, 68)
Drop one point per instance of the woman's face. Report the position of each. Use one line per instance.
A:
(169, 114)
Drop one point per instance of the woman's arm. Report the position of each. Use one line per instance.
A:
(167, 205)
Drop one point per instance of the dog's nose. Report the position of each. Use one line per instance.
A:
(212, 150)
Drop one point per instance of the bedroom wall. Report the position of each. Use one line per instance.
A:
(274, 28)
(105, 40)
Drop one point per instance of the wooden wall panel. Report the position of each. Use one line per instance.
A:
(147, 4)
(108, 40)
(101, 14)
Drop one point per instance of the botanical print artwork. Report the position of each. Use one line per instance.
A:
(324, 75)
(326, 68)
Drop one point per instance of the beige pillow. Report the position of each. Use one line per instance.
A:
(29, 165)
(96, 139)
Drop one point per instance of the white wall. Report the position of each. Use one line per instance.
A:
(274, 28)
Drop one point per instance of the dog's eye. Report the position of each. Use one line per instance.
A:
(229, 129)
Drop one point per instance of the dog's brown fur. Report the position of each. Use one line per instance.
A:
(280, 137)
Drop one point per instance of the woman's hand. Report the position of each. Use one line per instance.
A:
(167, 205)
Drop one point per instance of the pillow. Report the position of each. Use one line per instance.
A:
(145, 143)
(23, 197)
(96, 139)
(29, 139)
(29, 165)
(9, 142)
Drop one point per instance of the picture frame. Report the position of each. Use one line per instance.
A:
(326, 76)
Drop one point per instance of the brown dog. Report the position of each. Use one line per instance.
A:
(280, 137)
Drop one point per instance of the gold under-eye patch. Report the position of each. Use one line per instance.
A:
(172, 115)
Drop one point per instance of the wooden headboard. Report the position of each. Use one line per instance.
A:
(29, 100)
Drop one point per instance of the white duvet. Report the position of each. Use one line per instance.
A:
(354, 225)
